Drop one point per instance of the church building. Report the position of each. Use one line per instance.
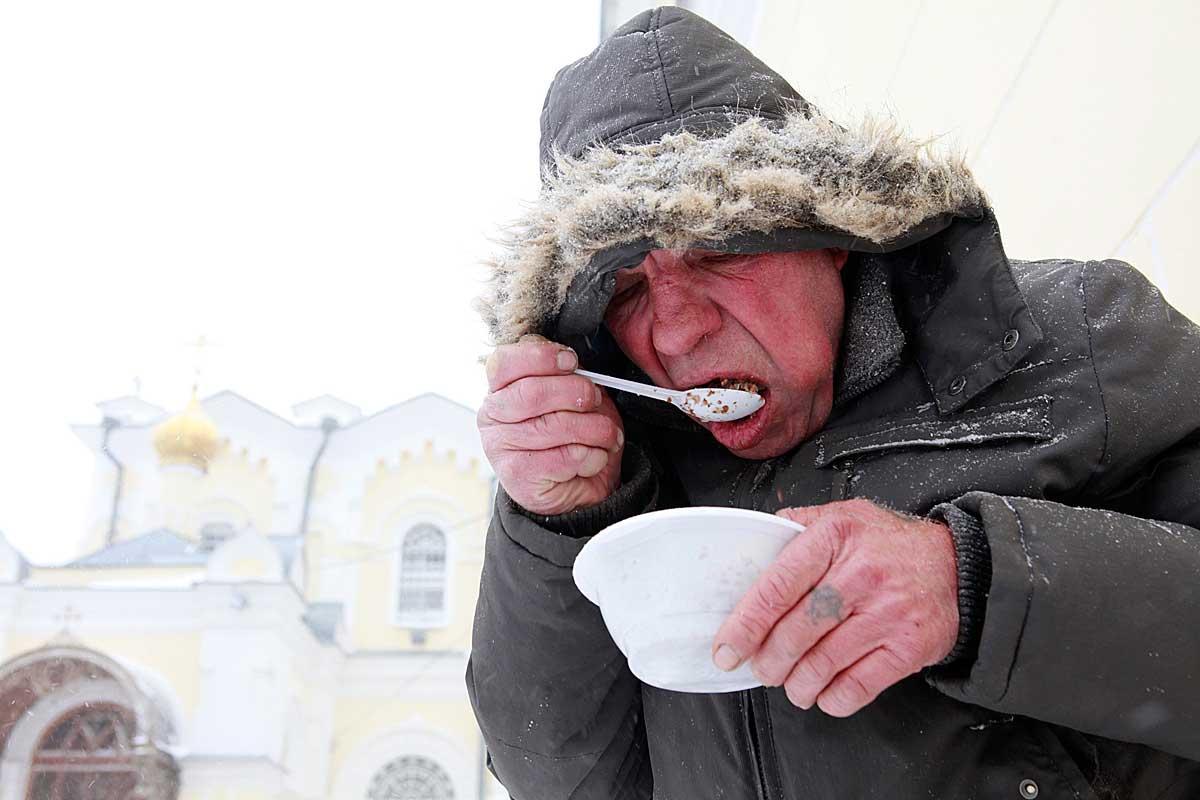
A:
(259, 608)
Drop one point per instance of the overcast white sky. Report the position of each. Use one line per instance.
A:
(311, 186)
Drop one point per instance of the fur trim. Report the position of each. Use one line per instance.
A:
(871, 182)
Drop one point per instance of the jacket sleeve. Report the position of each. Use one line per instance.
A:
(559, 709)
(1092, 620)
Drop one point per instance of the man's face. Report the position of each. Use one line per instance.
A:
(691, 318)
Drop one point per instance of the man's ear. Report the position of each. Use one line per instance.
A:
(839, 257)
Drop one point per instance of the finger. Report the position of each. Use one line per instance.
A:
(561, 498)
(793, 573)
(532, 397)
(821, 611)
(805, 515)
(531, 356)
(556, 429)
(539, 468)
(841, 648)
(554, 481)
(857, 508)
(863, 681)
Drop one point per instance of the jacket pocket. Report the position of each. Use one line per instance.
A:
(1067, 769)
(923, 428)
(1019, 758)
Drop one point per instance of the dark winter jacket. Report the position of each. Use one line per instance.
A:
(1049, 411)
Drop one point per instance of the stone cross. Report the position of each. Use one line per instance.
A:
(68, 616)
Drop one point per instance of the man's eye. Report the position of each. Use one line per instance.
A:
(718, 259)
(626, 286)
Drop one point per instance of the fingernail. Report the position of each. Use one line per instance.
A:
(726, 658)
(599, 396)
(567, 360)
(491, 365)
(620, 438)
(593, 462)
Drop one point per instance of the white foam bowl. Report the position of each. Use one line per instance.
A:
(665, 581)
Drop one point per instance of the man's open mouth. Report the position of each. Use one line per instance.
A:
(746, 432)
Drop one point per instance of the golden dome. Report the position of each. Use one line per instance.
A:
(189, 438)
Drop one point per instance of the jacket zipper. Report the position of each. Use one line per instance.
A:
(742, 496)
(843, 479)
(760, 773)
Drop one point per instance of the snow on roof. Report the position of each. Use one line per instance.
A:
(312, 412)
(166, 548)
(130, 410)
(408, 426)
(160, 548)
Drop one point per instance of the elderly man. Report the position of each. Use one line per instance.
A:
(998, 594)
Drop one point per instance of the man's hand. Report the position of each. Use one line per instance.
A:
(862, 599)
(554, 438)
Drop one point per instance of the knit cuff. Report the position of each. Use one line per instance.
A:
(637, 494)
(974, 557)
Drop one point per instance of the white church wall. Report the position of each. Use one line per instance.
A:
(410, 738)
(242, 678)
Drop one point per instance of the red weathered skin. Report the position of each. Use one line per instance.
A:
(862, 599)
(554, 438)
(688, 318)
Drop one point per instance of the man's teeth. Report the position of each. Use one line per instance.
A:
(740, 385)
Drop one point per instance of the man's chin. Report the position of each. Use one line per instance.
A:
(763, 434)
(761, 451)
(751, 438)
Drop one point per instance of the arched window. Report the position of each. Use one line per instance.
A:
(86, 754)
(421, 600)
(411, 778)
(69, 718)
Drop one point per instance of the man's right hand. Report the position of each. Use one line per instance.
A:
(554, 438)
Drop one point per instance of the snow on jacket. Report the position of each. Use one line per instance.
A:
(1047, 410)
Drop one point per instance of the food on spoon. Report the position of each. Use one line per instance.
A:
(703, 396)
(739, 384)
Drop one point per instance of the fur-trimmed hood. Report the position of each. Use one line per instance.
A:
(865, 187)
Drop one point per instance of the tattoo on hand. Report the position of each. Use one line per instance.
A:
(826, 603)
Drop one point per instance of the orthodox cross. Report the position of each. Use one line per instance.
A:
(68, 616)
(199, 345)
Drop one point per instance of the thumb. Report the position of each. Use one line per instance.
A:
(805, 515)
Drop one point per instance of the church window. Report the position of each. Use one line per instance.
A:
(86, 755)
(422, 592)
(411, 778)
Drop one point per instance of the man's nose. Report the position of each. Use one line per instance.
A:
(683, 313)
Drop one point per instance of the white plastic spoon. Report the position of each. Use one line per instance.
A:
(703, 403)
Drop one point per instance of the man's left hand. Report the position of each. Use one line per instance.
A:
(860, 600)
